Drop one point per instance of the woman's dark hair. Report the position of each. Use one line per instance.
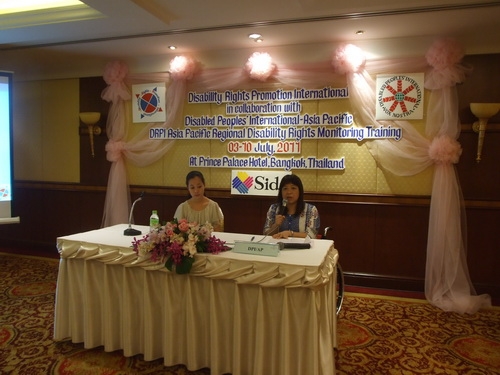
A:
(294, 180)
(192, 175)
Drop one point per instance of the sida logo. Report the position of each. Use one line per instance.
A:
(256, 182)
(400, 96)
(242, 182)
(265, 183)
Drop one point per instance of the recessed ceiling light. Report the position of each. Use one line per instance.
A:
(360, 32)
(172, 47)
(255, 36)
(258, 40)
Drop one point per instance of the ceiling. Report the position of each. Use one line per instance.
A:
(140, 31)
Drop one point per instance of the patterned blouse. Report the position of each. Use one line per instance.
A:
(308, 221)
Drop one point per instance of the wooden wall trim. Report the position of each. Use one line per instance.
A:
(490, 128)
(381, 239)
(366, 199)
(405, 283)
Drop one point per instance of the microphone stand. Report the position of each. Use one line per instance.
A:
(130, 231)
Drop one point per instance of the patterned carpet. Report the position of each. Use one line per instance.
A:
(378, 335)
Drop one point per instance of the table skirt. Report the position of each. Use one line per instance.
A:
(196, 321)
(233, 313)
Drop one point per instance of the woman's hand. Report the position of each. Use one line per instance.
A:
(285, 234)
(279, 219)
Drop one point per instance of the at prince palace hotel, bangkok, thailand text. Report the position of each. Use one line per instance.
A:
(287, 164)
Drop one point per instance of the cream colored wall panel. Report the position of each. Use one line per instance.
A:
(151, 175)
(359, 175)
(419, 184)
(334, 106)
(214, 109)
(60, 139)
(220, 178)
(310, 107)
(198, 110)
(176, 161)
(309, 178)
(27, 132)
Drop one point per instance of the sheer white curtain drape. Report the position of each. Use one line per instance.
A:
(447, 283)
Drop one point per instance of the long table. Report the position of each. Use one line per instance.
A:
(234, 313)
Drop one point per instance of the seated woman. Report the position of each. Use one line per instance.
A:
(198, 208)
(290, 216)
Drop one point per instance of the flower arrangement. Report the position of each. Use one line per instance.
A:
(177, 242)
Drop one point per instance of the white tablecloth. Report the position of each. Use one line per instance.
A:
(234, 313)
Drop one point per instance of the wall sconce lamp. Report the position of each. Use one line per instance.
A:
(90, 119)
(483, 111)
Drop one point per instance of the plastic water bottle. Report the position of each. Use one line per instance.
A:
(154, 220)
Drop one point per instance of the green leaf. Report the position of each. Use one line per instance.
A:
(169, 263)
(185, 265)
(201, 246)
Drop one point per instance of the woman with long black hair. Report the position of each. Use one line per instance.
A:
(290, 216)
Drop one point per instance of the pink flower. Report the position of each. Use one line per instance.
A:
(260, 66)
(184, 225)
(348, 59)
(182, 68)
(215, 245)
(444, 57)
(444, 53)
(445, 150)
(205, 231)
(176, 252)
(115, 72)
(176, 244)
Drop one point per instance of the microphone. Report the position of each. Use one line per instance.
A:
(293, 245)
(282, 209)
(130, 231)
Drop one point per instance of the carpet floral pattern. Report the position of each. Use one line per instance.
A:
(385, 335)
(378, 335)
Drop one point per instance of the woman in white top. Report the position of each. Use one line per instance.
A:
(199, 208)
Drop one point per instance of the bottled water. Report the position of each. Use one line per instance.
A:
(154, 220)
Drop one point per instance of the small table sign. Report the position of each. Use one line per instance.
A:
(257, 248)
